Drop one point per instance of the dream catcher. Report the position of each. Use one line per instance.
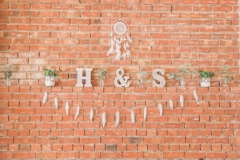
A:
(120, 40)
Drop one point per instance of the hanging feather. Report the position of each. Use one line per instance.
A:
(128, 54)
(132, 116)
(44, 97)
(124, 56)
(56, 102)
(77, 112)
(129, 39)
(127, 45)
(196, 96)
(103, 119)
(91, 115)
(117, 118)
(145, 114)
(124, 46)
(111, 50)
(182, 100)
(121, 39)
(160, 109)
(118, 56)
(118, 41)
(171, 104)
(110, 35)
(67, 108)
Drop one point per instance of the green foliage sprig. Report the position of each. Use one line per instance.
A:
(141, 75)
(182, 72)
(102, 73)
(49, 72)
(206, 74)
(224, 71)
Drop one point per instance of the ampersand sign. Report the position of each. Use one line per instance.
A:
(120, 81)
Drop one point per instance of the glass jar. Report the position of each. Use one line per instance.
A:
(49, 81)
(101, 83)
(182, 82)
(205, 82)
(8, 81)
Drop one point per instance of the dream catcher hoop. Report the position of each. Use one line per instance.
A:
(120, 40)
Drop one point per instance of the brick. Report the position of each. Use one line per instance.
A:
(132, 154)
(216, 155)
(46, 155)
(173, 154)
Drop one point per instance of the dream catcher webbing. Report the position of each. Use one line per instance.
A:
(120, 40)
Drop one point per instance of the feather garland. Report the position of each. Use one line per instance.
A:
(182, 101)
(56, 102)
(44, 97)
(196, 96)
(133, 116)
(160, 109)
(117, 118)
(171, 104)
(67, 108)
(91, 115)
(77, 112)
(103, 119)
(145, 114)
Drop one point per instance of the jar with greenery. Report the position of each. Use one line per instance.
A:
(102, 74)
(50, 77)
(8, 68)
(205, 78)
(141, 75)
(182, 72)
(224, 71)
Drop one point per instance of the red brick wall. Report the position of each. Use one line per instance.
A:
(66, 34)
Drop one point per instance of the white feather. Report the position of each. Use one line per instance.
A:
(145, 113)
(160, 109)
(118, 47)
(182, 100)
(56, 102)
(117, 118)
(196, 96)
(103, 119)
(128, 54)
(111, 50)
(132, 116)
(77, 112)
(124, 46)
(171, 104)
(121, 39)
(127, 45)
(124, 56)
(67, 108)
(118, 56)
(110, 35)
(129, 39)
(44, 97)
(91, 115)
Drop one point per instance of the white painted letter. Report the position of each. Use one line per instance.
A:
(161, 80)
(80, 77)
